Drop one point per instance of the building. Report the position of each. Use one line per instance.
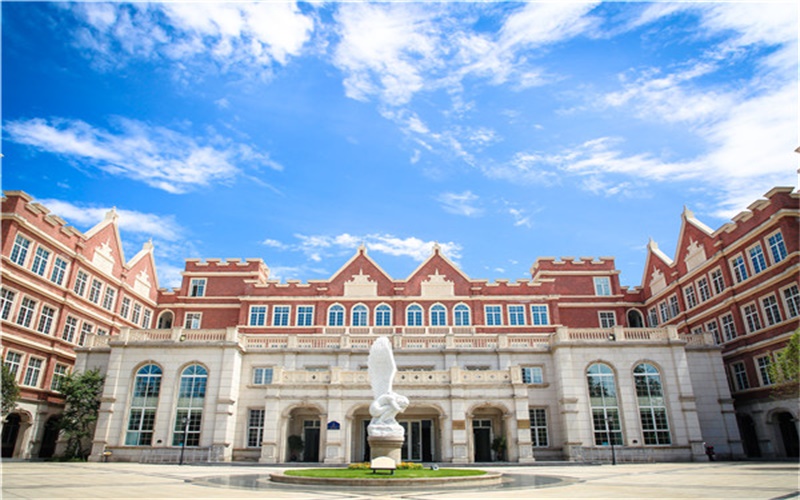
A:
(566, 365)
(59, 286)
(740, 284)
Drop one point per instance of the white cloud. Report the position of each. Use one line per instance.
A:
(521, 218)
(540, 23)
(240, 37)
(157, 156)
(460, 203)
(131, 221)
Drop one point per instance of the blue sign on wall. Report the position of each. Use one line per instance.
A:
(333, 425)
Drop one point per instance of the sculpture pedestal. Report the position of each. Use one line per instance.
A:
(386, 446)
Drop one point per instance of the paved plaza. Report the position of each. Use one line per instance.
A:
(757, 480)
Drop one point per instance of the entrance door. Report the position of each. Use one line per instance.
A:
(10, 433)
(482, 434)
(49, 438)
(311, 441)
(747, 428)
(789, 434)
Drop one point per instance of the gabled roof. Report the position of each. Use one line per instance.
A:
(367, 263)
(108, 228)
(439, 262)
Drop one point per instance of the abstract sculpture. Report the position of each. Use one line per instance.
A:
(387, 403)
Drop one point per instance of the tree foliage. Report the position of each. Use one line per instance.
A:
(82, 393)
(10, 392)
(785, 370)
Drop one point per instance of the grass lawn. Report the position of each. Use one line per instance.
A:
(367, 474)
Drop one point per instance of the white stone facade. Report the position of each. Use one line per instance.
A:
(465, 391)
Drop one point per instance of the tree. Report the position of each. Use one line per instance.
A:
(82, 394)
(785, 371)
(10, 392)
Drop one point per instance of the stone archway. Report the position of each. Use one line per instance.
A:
(787, 431)
(487, 424)
(15, 428)
(50, 437)
(304, 434)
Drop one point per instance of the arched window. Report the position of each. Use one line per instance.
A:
(635, 319)
(438, 315)
(605, 408)
(359, 316)
(142, 418)
(336, 315)
(652, 409)
(191, 397)
(461, 313)
(165, 320)
(414, 315)
(383, 315)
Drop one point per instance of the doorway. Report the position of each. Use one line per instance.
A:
(49, 438)
(747, 428)
(10, 434)
(482, 439)
(788, 429)
(311, 433)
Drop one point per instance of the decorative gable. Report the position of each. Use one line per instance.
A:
(695, 255)
(361, 286)
(657, 282)
(103, 258)
(141, 284)
(437, 286)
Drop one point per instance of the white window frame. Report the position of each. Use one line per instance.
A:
(193, 320)
(791, 303)
(713, 328)
(717, 278)
(86, 329)
(494, 318)
(771, 310)
(674, 306)
(703, 289)
(257, 315)
(15, 363)
(59, 272)
(125, 307)
(603, 319)
(359, 315)
(533, 375)
(304, 315)
(757, 259)
(40, 261)
(197, 287)
(778, 246)
(728, 327)
(108, 298)
(33, 373)
(95, 291)
(19, 252)
(262, 375)
(739, 376)
(335, 315)
(70, 329)
(751, 317)
(763, 369)
(383, 315)
(81, 280)
(26, 311)
(7, 299)
(437, 315)
(46, 321)
(602, 286)
(540, 316)
(415, 315)
(517, 314)
(739, 268)
(462, 315)
(539, 439)
(690, 296)
(60, 372)
(281, 315)
(255, 427)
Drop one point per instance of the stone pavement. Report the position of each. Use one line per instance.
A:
(752, 480)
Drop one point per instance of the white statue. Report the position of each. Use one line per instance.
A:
(387, 404)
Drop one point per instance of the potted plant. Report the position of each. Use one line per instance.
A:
(499, 448)
(295, 447)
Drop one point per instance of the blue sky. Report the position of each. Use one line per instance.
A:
(502, 131)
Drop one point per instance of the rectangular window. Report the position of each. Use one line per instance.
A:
(740, 376)
(146, 316)
(539, 315)
(32, 372)
(262, 376)
(59, 271)
(718, 281)
(791, 299)
(713, 329)
(662, 308)
(674, 309)
(26, 310)
(86, 329)
(691, 298)
(102, 332)
(6, 302)
(607, 319)
(125, 308)
(40, 259)
(703, 290)
(20, 250)
(739, 269)
(108, 298)
(516, 315)
(532, 375)
(280, 315)
(197, 287)
(258, 316)
(771, 310)
(602, 285)
(255, 428)
(728, 327)
(652, 317)
(70, 327)
(777, 248)
(757, 259)
(59, 374)
(763, 369)
(46, 320)
(192, 320)
(493, 316)
(137, 312)
(80, 283)
(751, 318)
(305, 316)
(95, 291)
(13, 362)
(538, 419)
